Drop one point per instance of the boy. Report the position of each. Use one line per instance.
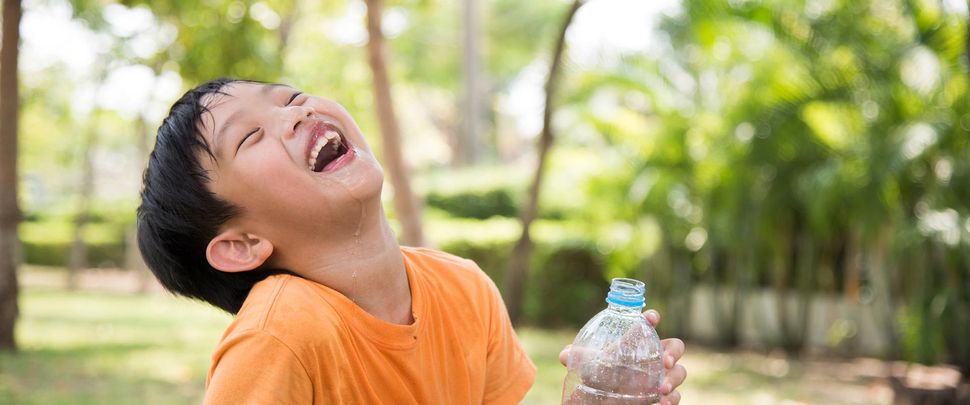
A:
(265, 202)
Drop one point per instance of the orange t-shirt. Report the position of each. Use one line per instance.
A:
(298, 342)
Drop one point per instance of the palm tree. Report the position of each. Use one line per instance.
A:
(815, 148)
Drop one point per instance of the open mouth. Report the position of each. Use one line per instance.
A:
(326, 146)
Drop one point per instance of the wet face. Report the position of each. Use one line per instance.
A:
(296, 164)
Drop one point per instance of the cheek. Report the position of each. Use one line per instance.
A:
(268, 186)
(264, 172)
(276, 192)
(283, 200)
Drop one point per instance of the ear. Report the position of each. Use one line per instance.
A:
(232, 251)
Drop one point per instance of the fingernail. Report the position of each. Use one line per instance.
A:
(670, 388)
(670, 359)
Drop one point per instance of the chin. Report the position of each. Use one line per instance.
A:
(363, 179)
(372, 189)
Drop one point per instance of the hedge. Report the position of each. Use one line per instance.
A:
(474, 204)
(565, 285)
(486, 192)
(57, 254)
(566, 282)
(49, 243)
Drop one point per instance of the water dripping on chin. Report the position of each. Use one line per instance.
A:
(347, 177)
(360, 222)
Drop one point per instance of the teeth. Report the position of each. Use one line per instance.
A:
(328, 138)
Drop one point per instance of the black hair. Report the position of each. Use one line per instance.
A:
(179, 215)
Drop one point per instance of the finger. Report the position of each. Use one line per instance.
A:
(564, 354)
(652, 316)
(674, 378)
(673, 351)
(672, 399)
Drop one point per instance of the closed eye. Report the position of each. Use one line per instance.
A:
(293, 97)
(245, 138)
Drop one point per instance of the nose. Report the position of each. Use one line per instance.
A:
(294, 117)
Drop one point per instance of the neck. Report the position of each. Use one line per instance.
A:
(367, 268)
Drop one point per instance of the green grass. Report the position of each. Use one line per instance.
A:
(543, 347)
(96, 348)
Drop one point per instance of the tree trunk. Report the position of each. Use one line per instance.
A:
(743, 273)
(925, 351)
(9, 210)
(519, 261)
(286, 27)
(712, 276)
(678, 318)
(957, 317)
(468, 142)
(780, 277)
(78, 258)
(961, 312)
(721, 273)
(881, 274)
(408, 207)
(805, 285)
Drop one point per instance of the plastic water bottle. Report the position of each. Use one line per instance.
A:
(617, 356)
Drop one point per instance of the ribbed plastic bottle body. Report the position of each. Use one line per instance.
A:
(615, 359)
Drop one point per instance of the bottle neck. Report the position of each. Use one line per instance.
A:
(625, 309)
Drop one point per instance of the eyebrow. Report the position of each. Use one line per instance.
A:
(269, 87)
(218, 135)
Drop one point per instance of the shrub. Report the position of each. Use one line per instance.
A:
(474, 204)
(565, 283)
(57, 254)
(49, 243)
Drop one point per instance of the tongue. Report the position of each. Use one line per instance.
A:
(327, 155)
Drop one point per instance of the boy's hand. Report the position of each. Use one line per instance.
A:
(673, 351)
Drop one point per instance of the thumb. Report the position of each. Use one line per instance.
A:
(564, 354)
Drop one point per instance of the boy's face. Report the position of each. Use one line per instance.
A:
(296, 164)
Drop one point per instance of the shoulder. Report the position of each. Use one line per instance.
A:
(450, 269)
(442, 261)
(259, 340)
(250, 365)
(285, 307)
(453, 276)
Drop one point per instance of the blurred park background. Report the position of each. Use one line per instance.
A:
(791, 178)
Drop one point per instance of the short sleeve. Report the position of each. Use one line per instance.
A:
(510, 373)
(254, 367)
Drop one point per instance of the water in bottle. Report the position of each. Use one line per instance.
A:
(616, 357)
